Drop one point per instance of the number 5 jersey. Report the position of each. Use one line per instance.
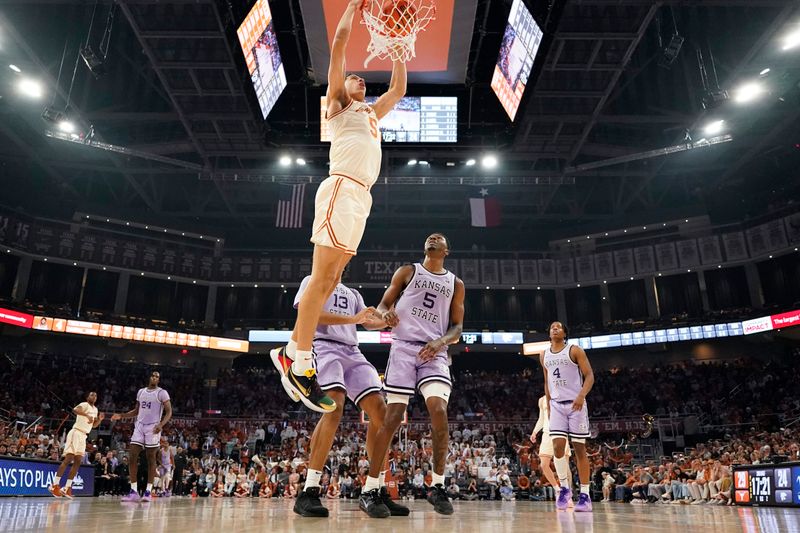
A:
(424, 307)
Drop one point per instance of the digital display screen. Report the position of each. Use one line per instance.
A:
(684, 334)
(415, 119)
(734, 329)
(697, 332)
(661, 335)
(606, 341)
(260, 47)
(626, 339)
(672, 335)
(501, 337)
(518, 50)
(778, 485)
(638, 337)
(721, 330)
(649, 337)
(709, 332)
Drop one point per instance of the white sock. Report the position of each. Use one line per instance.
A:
(304, 360)
(371, 484)
(56, 480)
(69, 484)
(134, 488)
(382, 478)
(312, 479)
(562, 470)
(585, 489)
(291, 349)
(149, 487)
(437, 479)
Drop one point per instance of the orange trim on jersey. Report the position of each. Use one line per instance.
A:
(351, 178)
(329, 227)
(342, 110)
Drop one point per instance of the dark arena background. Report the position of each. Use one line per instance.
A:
(626, 167)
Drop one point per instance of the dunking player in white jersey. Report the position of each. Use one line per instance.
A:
(343, 203)
(568, 378)
(152, 403)
(424, 305)
(86, 419)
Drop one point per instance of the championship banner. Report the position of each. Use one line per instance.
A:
(30, 477)
(66, 244)
(489, 272)
(509, 271)
(566, 273)
(43, 239)
(735, 249)
(584, 267)
(710, 251)
(758, 240)
(792, 224)
(547, 271)
(168, 261)
(469, 271)
(776, 235)
(623, 262)
(604, 265)
(88, 247)
(285, 270)
(130, 254)
(645, 259)
(529, 271)
(666, 257)
(264, 270)
(687, 253)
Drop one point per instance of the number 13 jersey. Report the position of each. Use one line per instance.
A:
(424, 307)
(344, 301)
(355, 143)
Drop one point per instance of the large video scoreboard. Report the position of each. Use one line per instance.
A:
(767, 485)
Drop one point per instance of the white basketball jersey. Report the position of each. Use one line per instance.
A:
(355, 143)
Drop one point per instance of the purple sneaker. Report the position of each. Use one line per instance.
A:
(166, 494)
(146, 496)
(132, 496)
(584, 504)
(564, 497)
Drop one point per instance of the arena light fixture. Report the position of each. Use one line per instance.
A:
(764, 72)
(489, 161)
(748, 92)
(424, 163)
(15, 68)
(285, 161)
(470, 163)
(30, 88)
(715, 127)
(300, 161)
(791, 40)
(411, 162)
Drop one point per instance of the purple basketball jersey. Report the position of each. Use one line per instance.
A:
(343, 301)
(564, 378)
(150, 405)
(424, 307)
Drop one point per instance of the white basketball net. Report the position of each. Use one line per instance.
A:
(395, 42)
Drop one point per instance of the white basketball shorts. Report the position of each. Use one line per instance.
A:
(341, 208)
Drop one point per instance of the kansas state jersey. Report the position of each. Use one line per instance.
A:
(424, 307)
(344, 301)
(355, 143)
(564, 378)
(150, 405)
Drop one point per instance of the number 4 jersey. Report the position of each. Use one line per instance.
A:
(344, 301)
(424, 307)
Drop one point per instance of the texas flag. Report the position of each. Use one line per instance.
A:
(485, 210)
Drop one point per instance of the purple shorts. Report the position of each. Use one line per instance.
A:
(340, 366)
(405, 372)
(564, 422)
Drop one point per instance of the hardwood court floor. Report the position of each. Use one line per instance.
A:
(178, 515)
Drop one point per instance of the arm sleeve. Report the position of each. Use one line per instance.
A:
(300, 291)
(540, 423)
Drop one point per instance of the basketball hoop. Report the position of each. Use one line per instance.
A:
(393, 26)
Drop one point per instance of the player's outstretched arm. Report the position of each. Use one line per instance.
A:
(588, 375)
(130, 414)
(397, 90)
(400, 280)
(453, 334)
(337, 96)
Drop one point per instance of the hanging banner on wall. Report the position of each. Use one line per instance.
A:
(710, 251)
(623, 262)
(509, 271)
(735, 248)
(565, 271)
(604, 264)
(645, 259)
(529, 271)
(547, 271)
(489, 272)
(666, 257)
(584, 266)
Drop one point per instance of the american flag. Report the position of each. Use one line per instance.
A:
(290, 207)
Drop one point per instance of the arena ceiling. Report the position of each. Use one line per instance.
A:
(178, 93)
